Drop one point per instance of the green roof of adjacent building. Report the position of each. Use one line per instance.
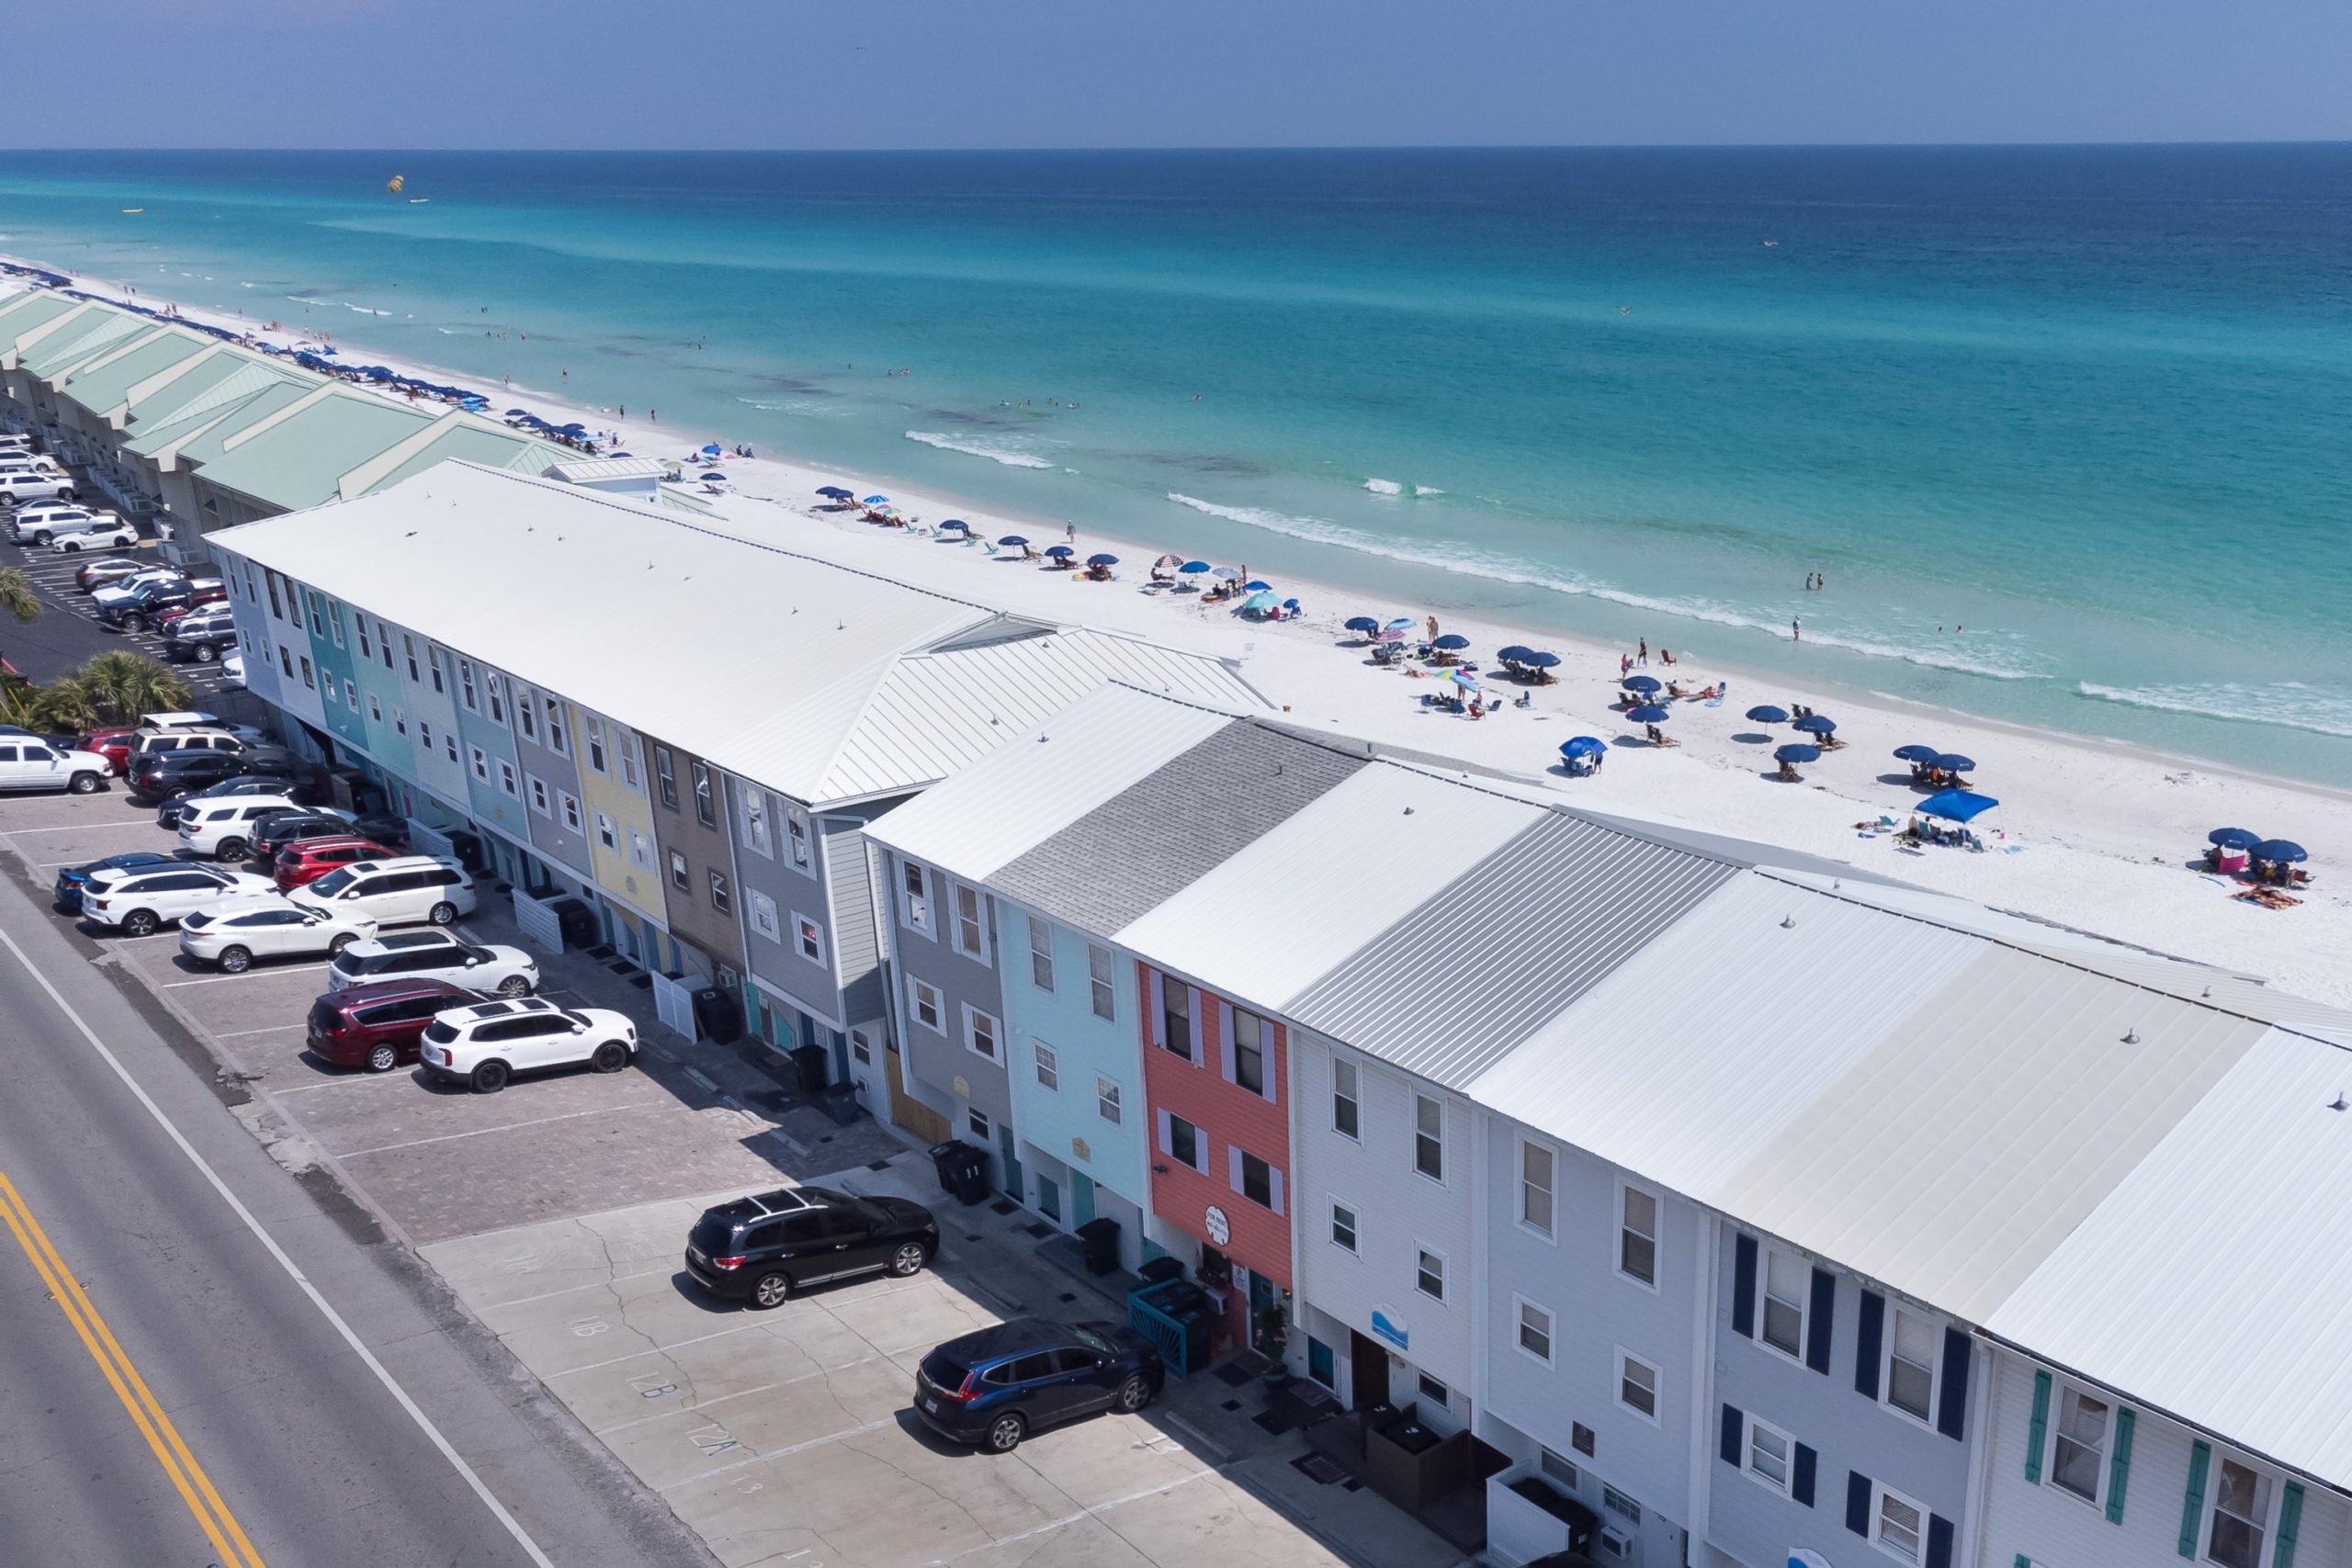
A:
(79, 340)
(475, 444)
(105, 387)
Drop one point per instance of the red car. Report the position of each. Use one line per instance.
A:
(380, 1026)
(304, 860)
(113, 744)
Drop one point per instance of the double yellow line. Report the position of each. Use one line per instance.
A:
(188, 1477)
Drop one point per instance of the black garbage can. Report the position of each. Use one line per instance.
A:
(1099, 1239)
(1161, 1270)
(578, 923)
(963, 1170)
(840, 1101)
(811, 1062)
(718, 1015)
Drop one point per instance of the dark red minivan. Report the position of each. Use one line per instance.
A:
(379, 1027)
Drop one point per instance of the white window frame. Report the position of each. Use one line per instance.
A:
(2266, 1554)
(1166, 1133)
(1881, 1495)
(399, 721)
(682, 877)
(1352, 1226)
(916, 990)
(542, 801)
(979, 920)
(1103, 990)
(1351, 1097)
(493, 690)
(1047, 1063)
(569, 804)
(764, 910)
(367, 645)
(1764, 1299)
(1420, 1137)
(995, 1033)
(632, 776)
(1626, 1191)
(1422, 1253)
(756, 830)
(407, 651)
(1549, 1229)
(977, 1123)
(527, 714)
(2062, 1392)
(912, 896)
(1788, 1456)
(468, 691)
(449, 741)
(599, 754)
(807, 932)
(424, 734)
(1041, 954)
(1520, 1306)
(640, 849)
(433, 663)
(351, 693)
(508, 784)
(1626, 1359)
(375, 708)
(1110, 1101)
(1896, 1314)
(384, 641)
(556, 741)
(799, 839)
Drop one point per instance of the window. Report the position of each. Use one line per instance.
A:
(466, 692)
(763, 918)
(1346, 1111)
(1900, 1525)
(366, 650)
(570, 804)
(640, 850)
(1181, 1140)
(1562, 1471)
(1343, 1225)
(449, 741)
(1106, 1101)
(1176, 1017)
(527, 718)
(1257, 1182)
(1049, 1068)
(810, 936)
(980, 1034)
(1428, 1274)
(541, 802)
(556, 743)
(914, 902)
(796, 825)
(351, 693)
(407, 651)
(1637, 1235)
(606, 834)
(1250, 1035)
(1436, 1393)
(384, 642)
(1786, 1283)
(860, 1048)
(286, 659)
(682, 878)
(506, 780)
(270, 578)
(1767, 1455)
(2240, 1516)
(1912, 1350)
(334, 621)
(721, 899)
(1534, 1330)
(755, 820)
(625, 744)
(400, 720)
(1611, 1499)
(1041, 954)
(1098, 979)
(495, 686)
(425, 735)
(1637, 1386)
(705, 811)
(481, 762)
(596, 745)
(665, 776)
(433, 659)
(971, 931)
(1429, 1137)
(306, 678)
(318, 627)
(1537, 1171)
(977, 1121)
(2078, 1452)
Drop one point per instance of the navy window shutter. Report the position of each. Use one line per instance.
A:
(1800, 1479)
(1735, 1428)
(1952, 1402)
(1742, 1286)
(1939, 1541)
(1868, 1327)
(1819, 1321)
(1857, 1503)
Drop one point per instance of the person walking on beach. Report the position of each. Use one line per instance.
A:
(1646, 653)
(1624, 665)
(1796, 628)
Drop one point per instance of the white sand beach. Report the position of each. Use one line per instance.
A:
(2088, 835)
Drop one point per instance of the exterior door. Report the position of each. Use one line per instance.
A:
(1049, 1197)
(1367, 1373)
(1081, 1199)
(1006, 1146)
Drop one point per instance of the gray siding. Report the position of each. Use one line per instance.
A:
(550, 835)
(691, 917)
(942, 1059)
(1124, 858)
(857, 953)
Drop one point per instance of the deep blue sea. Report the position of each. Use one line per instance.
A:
(2093, 406)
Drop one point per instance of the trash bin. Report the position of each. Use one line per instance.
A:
(963, 1170)
(811, 1062)
(718, 1015)
(1098, 1238)
(840, 1101)
(1161, 1270)
(578, 923)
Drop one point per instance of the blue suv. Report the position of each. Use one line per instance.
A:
(995, 1387)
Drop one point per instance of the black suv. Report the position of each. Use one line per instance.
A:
(203, 634)
(159, 774)
(137, 610)
(762, 1249)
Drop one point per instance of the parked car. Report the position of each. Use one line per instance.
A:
(995, 1387)
(159, 777)
(174, 808)
(34, 484)
(137, 610)
(29, 763)
(233, 934)
(222, 825)
(436, 955)
(202, 636)
(138, 902)
(105, 532)
(15, 459)
(380, 1026)
(484, 1045)
(26, 524)
(232, 667)
(122, 588)
(396, 891)
(193, 720)
(72, 879)
(305, 861)
(204, 601)
(762, 1249)
(292, 826)
(92, 575)
(113, 743)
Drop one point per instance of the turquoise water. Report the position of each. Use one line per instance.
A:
(2093, 406)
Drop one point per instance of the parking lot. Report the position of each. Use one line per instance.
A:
(556, 1212)
(68, 633)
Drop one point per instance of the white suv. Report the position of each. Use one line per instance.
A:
(105, 531)
(122, 588)
(37, 523)
(436, 955)
(236, 932)
(137, 902)
(483, 1046)
(223, 826)
(403, 888)
(29, 763)
(31, 484)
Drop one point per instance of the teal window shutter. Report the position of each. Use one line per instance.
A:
(2290, 1516)
(2024, 1562)
(2120, 1466)
(2192, 1507)
(2041, 1426)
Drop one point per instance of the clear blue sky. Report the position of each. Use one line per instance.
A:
(617, 73)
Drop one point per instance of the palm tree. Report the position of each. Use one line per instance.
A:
(116, 688)
(17, 596)
(62, 706)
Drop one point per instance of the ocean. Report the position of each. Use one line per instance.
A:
(2067, 431)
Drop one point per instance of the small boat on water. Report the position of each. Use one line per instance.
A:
(134, 210)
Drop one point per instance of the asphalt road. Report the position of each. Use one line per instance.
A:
(172, 1393)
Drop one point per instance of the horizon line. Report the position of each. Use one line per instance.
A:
(1258, 147)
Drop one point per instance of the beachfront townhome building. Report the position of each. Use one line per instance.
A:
(540, 630)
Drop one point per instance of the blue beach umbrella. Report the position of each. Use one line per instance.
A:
(1582, 746)
(1260, 602)
(710, 449)
(1767, 713)
(1102, 560)
(1515, 654)
(1400, 625)
(1060, 552)
(1817, 724)
(1292, 605)
(1797, 751)
(875, 501)
(1193, 568)
(1641, 683)
(1361, 624)
(1453, 642)
(713, 474)
(2279, 850)
(1539, 659)
(1953, 762)
(1256, 587)
(1649, 713)
(835, 492)
(1924, 754)
(2232, 838)
(1957, 805)
(1013, 541)
(955, 524)
(512, 412)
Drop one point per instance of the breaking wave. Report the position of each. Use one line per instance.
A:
(1011, 457)
(2289, 704)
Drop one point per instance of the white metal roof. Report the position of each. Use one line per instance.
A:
(590, 471)
(1056, 771)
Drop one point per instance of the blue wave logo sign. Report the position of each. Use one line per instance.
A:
(1390, 1329)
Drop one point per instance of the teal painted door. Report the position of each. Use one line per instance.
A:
(1005, 1145)
(1320, 1366)
(1049, 1198)
(1081, 1199)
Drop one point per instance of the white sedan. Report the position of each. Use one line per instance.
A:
(233, 934)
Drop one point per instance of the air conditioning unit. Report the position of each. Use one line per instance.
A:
(1616, 1544)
